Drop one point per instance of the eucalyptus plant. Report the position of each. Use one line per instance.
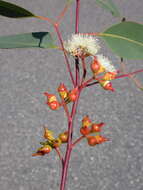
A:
(124, 38)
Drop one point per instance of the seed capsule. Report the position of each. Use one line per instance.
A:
(85, 130)
(109, 76)
(86, 121)
(96, 67)
(72, 95)
(96, 127)
(48, 134)
(100, 139)
(63, 92)
(52, 101)
(91, 140)
(64, 137)
(54, 105)
(46, 149)
(56, 142)
(107, 85)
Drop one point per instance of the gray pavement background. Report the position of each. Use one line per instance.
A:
(26, 73)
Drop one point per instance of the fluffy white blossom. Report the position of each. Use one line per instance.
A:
(81, 45)
(106, 63)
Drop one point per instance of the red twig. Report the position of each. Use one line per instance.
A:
(60, 156)
(77, 141)
(128, 74)
(61, 15)
(65, 55)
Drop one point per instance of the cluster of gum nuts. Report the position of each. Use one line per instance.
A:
(87, 129)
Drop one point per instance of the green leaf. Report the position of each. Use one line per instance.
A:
(125, 39)
(13, 11)
(27, 40)
(110, 6)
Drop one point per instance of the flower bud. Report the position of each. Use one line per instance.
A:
(50, 97)
(64, 137)
(86, 121)
(91, 140)
(72, 95)
(109, 76)
(100, 139)
(56, 142)
(96, 67)
(95, 128)
(54, 105)
(48, 134)
(43, 150)
(85, 130)
(63, 92)
(52, 101)
(107, 85)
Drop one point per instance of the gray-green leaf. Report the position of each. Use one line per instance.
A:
(13, 11)
(27, 40)
(125, 39)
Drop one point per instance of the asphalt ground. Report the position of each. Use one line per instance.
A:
(26, 73)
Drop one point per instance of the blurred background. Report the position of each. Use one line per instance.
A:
(26, 73)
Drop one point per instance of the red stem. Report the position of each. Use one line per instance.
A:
(74, 107)
(77, 16)
(69, 144)
(66, 58)
(128, 74)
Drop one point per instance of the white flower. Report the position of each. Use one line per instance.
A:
(82, 45)
(106, 63)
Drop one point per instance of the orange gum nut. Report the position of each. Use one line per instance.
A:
(95, 66)
(86, 121)
(64, 137)
(73, 94)
(54, 105)
(109, 76)
(96, 127)
(91, 141)
(85, 130)
(101, 139)
(62, 88)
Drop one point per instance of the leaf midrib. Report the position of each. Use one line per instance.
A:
(121, 37)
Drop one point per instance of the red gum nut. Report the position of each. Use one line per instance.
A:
(109, 76)
(44, 150)
(91, 141)
(54, 105)
(96, 127)
(95, 66)
(85, 130)
(73, 94)
(101, 139)
(57, 142)
(50, 97)
(107, 85)
(64, 137)
(86, 121)
(62, 88)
